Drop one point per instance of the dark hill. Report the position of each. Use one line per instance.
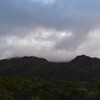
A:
(82, 68)
(19, 66)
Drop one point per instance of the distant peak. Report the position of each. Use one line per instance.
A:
(81, 58)
(33, 58)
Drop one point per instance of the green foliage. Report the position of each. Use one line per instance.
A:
(35, 98)
(96, 95)
(40, 89)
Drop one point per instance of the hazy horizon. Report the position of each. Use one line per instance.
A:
(57, 30)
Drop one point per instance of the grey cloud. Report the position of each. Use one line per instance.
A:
(63, 14)
(23, 18)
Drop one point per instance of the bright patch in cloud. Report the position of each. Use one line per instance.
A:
(45, 1)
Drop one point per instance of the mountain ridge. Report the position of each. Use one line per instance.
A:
(82, 68)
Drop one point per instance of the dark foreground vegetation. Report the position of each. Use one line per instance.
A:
(32, 78)
(40, 89)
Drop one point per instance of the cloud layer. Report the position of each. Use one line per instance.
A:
(55, 29)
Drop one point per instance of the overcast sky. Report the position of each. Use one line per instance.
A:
(57, 30)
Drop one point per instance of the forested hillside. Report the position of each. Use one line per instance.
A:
(32, 78)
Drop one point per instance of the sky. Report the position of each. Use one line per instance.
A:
(57, 30)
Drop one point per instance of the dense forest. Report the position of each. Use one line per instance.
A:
(40, 89)
(32, 78)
